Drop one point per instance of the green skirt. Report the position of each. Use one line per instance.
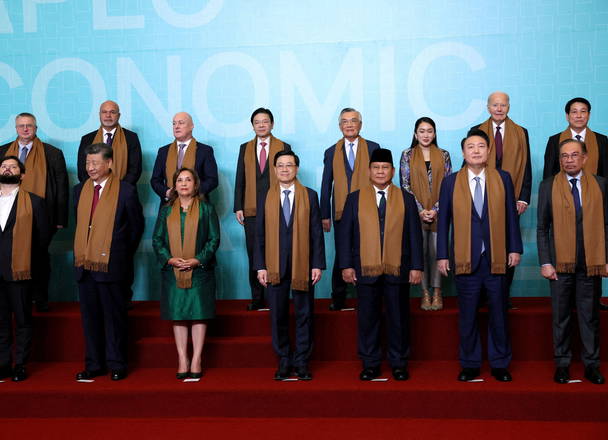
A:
(195, 303)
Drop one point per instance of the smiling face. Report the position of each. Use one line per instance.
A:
(262, 125)
(182, 127)
(286, 170)
(475, 151)
(350, 125)
(498, 106)
(425, 134)
(109, 114)
(97, 167)
(26, 129)
(381, 174)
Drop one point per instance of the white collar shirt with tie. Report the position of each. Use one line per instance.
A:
(292, 191)
(105, 133)
(266, 147)
(102, 183)
(6, 204)
(29, 146)
(473, 183)
(582, 134)
(578, 184)
(502, 129)
(379, 196)
(347, 146)
(183, 142)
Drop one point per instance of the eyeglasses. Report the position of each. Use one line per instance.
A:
(346, 121)
(573, 156)
(22, 126)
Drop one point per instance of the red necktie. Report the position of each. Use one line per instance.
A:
(95, 201)
(498, 143)
(262, 157)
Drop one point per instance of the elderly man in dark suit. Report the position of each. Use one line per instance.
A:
(290, 255)
(343, 173)
(184, 151)
(24, 230)
(478, 206)
(381, 253)
(47, 177)
(572, 250)
(109, 225)
(254, 175)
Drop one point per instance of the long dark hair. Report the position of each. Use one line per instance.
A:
(197, 184)
(417, 124)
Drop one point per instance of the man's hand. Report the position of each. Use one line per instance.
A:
(168, 193)
(514, 259)
(349, 276)
(415, 276)
(263, 277)
(443, 266)
(521, 207)
(326, 222)
(315, 276)
(548, 272)
(240, 217)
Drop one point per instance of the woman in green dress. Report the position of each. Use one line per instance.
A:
(185, 239)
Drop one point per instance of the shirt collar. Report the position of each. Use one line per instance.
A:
(578, 176)
(355, 142)
(481, 175)
(105, 132)
(12, 193)
(582, 134)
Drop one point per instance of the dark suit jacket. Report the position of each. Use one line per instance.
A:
(552, 166)
(57, 185)
(328, 208)
(41, 236)
(128, 229)
(349, 242)
(526, 187)
(262, 180)
(133, 151)
(544, 229)
(204, 165)
(317, 243)
(480, 227)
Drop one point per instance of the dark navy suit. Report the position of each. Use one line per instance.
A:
(370, 290)
(278, 295)
(103, 303)
(328, 210)
(470, 286)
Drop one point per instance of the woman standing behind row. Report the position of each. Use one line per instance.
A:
(423, 167)
(186, 237)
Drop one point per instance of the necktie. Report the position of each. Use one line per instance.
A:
(382, 206)
(95, 200)
(23, 155)
(576, 196)
(351, 156)
(180, 155)
(478, 202)
(286, 207)
(578, 137)
(109, 139)
(262, 157)
(498, 143)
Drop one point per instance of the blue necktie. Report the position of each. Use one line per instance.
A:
(286, 207)
(23, 155)
(109, 139)
(478, 202)
(351, 156)
(576, 196)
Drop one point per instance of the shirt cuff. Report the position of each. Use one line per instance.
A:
(521, 201)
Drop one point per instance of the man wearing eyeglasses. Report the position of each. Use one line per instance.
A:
(345, 170)
(47, 177)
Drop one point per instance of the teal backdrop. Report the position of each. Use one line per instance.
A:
(219, 59)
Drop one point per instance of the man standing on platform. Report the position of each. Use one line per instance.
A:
(290, 255)
(578, 112)
(47, 177)
(478, 206)
(255, 173)
(381, 254)
(345, 169)
(572, 249)
(510, 152)
(184, 151)
(24, 232)
(109, 225)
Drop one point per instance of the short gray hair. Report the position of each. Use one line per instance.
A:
(349, 110)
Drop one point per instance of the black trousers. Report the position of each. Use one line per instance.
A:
(585, 292)
(41, 275)
(369, 314)
(303, 304)
(338, 286)
(103, 307)
(257, 290)
(15, 301)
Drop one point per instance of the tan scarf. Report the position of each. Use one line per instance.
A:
(250, 160)
(419, 178)
(514, 154)
(34, 179)
(375, 262)
(300, 244)
(93, 238)
(593, 154)
(22, 238)
(171, 163)
(120, 154)
(183, 247)
(462, 203)
(360, 173)
(564, 225)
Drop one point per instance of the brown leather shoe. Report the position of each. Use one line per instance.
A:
(425, 302)
(437, 303)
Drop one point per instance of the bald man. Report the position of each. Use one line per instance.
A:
(184, 151)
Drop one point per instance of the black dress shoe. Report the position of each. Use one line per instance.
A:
(603, 306)
(303, 373)
(5, 372)
(336, 306)
(198, 375)
(593, 375)
(562, 375)
(118, 374)
(182, 376)
(400, 374)
(19, 373)
(255, 305)
(89, 374)
(369, 373)
(468, 374)
(42, 306)
(501, 374)
(282, 373)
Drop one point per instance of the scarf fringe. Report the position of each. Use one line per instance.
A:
(94, 266)
(389, 269)
(463, 269)
(599, 270)
(22, 275)
(249, 212)
(565, 267)
(498, 268)
(274, 278)
(301, 285)
(372, 271)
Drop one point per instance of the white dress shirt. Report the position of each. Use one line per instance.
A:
(347, 146)
(502, 129)
(578, 184)
(266, 147)
(105, 134)
(473, 183)
(103, 184)
(28, 146)
(6, 204)
(379, 196)
(292, 192)
(184, 142)
(582, 134)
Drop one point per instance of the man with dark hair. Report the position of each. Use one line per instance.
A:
(478, 206)
(289, 255)
(572, 251)
(380, 253)
(24, 231)
(47, 177)
(109, 225)
(345, 169)
(578, 112)
(255, 173)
